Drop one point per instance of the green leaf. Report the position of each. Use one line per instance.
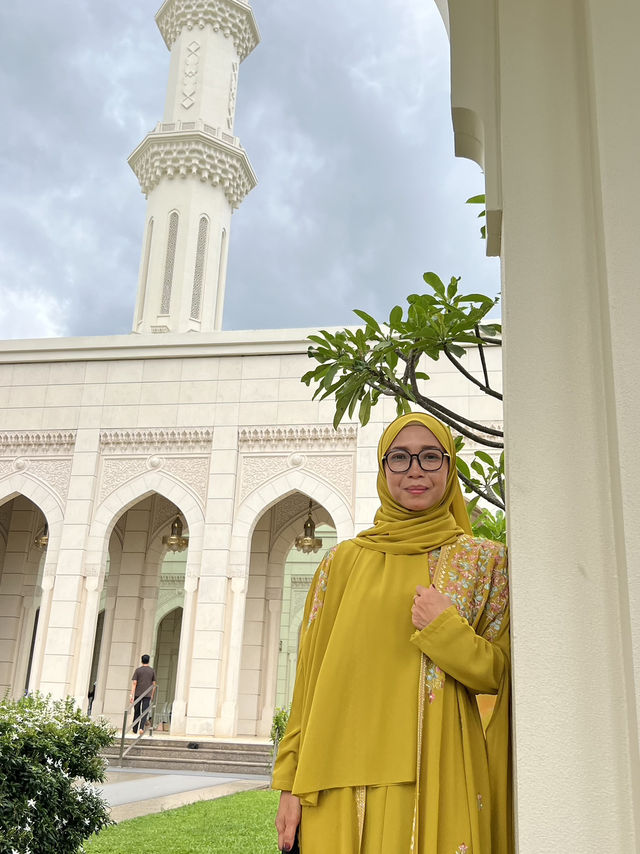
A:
(341, 408)
(395, 318)
(370, 321)
(471, 506)
(476, 200)
(435, 282)
(486, 458)
(365, 409)
(462, 466)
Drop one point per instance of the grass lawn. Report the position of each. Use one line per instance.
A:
(238, 824)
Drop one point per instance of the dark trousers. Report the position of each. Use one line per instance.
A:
(140, 708)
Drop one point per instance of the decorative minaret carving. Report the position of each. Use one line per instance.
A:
(192, 169)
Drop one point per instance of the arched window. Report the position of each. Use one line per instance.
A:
(198, 273)
(169, 263)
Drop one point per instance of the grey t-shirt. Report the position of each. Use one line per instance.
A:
(144, 676)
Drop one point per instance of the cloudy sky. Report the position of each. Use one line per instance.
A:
(345, 117)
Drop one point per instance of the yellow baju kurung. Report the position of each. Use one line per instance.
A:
(385, 746)
(366, 679)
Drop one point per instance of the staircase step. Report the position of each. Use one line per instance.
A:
(173, 754)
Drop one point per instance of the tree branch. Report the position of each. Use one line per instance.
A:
(482, 358)
(478, 491)
(465, 373)
(455, 421)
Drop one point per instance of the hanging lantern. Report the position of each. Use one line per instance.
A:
(308, 542)
(42, 541)
(176, 542)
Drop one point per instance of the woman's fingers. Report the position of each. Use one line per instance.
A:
(287, 820)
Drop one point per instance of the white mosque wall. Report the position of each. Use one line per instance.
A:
(106, 440)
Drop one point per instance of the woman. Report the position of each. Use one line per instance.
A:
(385, 751)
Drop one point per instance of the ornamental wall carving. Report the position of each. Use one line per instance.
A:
(190, 75)
(184, 454)
(290, 507)
(44, 442)
(234, 19)
(193, 153)
(270, 450)
(297, 437)
(45, 456)
(155, 441)
(192, 471)
(336, 469)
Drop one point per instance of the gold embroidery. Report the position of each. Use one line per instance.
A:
(361, 803)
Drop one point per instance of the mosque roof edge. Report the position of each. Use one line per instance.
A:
(255, 342)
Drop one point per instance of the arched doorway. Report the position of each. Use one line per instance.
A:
(144, 580)
(272, 568)
(22, 556)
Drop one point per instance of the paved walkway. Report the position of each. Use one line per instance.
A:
(132, 792)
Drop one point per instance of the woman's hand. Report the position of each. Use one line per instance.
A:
(287, 820)
(428, 603)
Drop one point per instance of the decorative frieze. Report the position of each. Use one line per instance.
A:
(190, 470)
(194, 153)
(297, 437)
(233, 91)
(155, 441)
(190, 79)
(233, 18)
(44, 442)
(336, 469)
(119, 471)
(45, 456)
(55, 473)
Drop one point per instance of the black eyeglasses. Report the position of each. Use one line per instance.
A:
(430, 459)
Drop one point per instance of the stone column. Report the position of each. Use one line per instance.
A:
(559, 85)
(270, 661)
(227, 722)
(179, 708)
(87, 640)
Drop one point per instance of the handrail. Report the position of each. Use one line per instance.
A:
(147, 713)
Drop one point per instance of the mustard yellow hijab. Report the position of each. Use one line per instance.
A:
(399, 531)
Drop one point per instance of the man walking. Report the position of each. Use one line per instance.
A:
(143, 678)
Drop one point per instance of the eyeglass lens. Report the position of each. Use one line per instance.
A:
(429, 460)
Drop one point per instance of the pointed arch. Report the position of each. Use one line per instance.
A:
(265, 496)
(129, 494)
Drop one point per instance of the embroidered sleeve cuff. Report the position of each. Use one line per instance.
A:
(443, 622)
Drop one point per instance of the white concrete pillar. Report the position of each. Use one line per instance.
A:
(227, 722)
(87, 640)
(180, 701)
(544, 98)
(105, 650)
(270, 661)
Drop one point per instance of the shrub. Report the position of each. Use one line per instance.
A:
(279, 725)
(49, 760)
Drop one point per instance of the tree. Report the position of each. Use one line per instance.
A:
(359, 365)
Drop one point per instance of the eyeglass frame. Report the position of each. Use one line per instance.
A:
(417, 457)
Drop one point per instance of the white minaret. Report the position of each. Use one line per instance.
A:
(192, 169)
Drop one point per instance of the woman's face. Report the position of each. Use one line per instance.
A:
(416, 489)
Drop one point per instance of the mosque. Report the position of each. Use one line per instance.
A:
(116, 450)
(154, 484)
